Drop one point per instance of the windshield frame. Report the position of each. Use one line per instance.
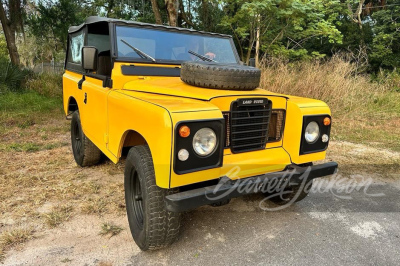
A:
(115, 57)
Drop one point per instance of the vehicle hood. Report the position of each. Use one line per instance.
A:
(174, 86)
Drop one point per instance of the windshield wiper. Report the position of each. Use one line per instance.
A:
(140, 53)
(202, 57)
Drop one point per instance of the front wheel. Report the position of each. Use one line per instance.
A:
(152, 226)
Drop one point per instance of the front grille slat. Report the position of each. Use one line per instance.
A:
(246, 125)
(254, 117)
(250, 145)
(249, 126)
(248, 131)
(257, 137)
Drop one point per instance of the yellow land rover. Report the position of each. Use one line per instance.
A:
(190, 120)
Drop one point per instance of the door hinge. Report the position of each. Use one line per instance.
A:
(105, 138)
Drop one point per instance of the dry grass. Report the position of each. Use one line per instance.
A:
(58, 215)
(361, 109)
(40, 183)
(110, 229)
(12, 238)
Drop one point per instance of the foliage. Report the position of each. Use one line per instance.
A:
(386, 43)
(49, 30)
(363, 111)
(285, 25)
(3, 46)
(46, 84)
(291, 29)
(12, 77)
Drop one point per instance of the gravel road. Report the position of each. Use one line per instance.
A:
(324, 229)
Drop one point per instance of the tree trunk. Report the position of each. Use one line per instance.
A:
(9, 32)
(356, 17)
(258, 42)
(172, 8)
(156, 12)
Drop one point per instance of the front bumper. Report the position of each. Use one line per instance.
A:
(227, 188)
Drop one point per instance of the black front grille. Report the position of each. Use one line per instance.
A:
(248, 126)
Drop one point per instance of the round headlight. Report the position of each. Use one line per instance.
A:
(204, 142)
(312, 132)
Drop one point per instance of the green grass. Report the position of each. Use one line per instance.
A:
(26, 109)
(30, 147)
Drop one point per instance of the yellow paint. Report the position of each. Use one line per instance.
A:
(148, 108)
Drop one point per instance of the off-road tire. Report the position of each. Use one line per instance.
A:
(85, 152)
(220, 76)
(151, 225)
(286, 198)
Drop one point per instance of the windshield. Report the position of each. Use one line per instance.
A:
(165, 45)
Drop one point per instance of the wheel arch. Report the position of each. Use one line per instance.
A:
(131, 138)
(72, 106)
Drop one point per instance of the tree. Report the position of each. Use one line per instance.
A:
(386, 43)
(156, 11)
(49, 30)
(285, 26)
(11, 16)
(172, 7)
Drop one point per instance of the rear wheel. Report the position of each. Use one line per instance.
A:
(152, 226)
(85, 152)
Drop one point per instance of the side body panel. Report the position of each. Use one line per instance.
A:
(70, 89)
(151, 121)
(93, 112)
(293, 129)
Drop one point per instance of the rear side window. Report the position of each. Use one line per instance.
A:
(76, 43)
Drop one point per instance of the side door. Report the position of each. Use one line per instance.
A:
(94, 111)
(95, 88)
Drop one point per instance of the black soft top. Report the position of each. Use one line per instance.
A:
(99, 20)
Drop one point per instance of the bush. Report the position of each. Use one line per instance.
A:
(46, 84)
(12, 78)
(363, 110)
(335, 81)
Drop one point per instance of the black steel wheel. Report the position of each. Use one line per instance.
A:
(152, 226)
(219, 76)
(85, 152)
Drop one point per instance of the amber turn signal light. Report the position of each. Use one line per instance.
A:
(184, 131)
(327, 121)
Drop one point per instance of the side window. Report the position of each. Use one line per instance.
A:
(100, 41)
(76, 43)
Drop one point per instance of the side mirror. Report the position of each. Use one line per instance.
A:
(89, 58)
(252, 62)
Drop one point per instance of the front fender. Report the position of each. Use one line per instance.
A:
(296, 109)
(152, 121)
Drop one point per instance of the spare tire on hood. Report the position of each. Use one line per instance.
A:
(220, 76)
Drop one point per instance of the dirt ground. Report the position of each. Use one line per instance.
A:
(52, 211)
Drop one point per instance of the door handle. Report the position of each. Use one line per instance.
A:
(81, 82)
